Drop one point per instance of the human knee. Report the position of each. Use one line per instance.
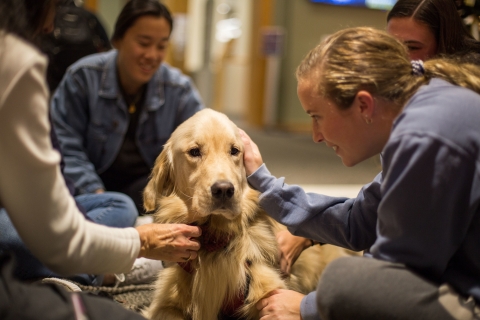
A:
(349, 287)
(334, 289)
(125, 209)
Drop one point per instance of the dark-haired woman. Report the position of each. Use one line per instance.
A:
(432, 27)
(34, 193)
(114, 111)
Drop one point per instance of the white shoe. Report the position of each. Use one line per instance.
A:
(141, 220)
(143, 271)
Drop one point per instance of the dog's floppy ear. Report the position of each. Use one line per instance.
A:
(161, 181)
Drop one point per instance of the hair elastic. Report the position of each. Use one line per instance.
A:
(417, 68)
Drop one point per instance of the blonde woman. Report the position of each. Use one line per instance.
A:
(419, 220)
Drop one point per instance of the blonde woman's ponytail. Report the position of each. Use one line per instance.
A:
(456, 72)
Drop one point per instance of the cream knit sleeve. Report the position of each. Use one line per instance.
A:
(32, 188)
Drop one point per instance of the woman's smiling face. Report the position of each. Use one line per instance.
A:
(339, 129)
(356, 133)
(141, 51)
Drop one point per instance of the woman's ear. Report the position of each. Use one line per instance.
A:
(365, 104)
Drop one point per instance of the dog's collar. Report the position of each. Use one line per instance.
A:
(187, 266)
(210, 241)
(214, 241)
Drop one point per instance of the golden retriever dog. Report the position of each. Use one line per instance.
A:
(199, 179)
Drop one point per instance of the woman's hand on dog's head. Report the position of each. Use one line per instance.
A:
(169, 242)
(251, 154)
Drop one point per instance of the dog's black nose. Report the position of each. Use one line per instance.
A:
(222, 190)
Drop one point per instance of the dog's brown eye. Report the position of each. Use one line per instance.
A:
(234, 151)
(195, 152)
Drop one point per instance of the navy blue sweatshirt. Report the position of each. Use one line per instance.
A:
(422, 210)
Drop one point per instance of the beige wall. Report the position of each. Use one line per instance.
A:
(108, 11)
(306, 24)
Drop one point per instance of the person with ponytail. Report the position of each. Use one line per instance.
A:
(418, 221)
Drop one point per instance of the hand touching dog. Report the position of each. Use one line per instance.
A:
(290, 247)
(280, 304)
(169, 242)
(252, 158)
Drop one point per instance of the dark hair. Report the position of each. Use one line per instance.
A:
(23, 17)
(443, 19)
(135, 9)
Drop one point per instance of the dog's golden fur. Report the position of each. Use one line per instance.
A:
(200, 179)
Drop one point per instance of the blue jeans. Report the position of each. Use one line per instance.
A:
(110, 209)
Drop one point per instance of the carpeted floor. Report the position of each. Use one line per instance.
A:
(135, 300)
(132, 297)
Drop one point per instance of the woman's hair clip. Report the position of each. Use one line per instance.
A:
(417, 68)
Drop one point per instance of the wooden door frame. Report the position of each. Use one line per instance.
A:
(262, 16)
(91, 5)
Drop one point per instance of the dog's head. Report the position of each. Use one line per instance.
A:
(202, 165)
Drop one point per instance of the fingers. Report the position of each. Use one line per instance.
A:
(192, 231)
(263, 303)
(180, 255)
(280, 304)
(189, 256)
(290, 247)
(169, 242)
(193, 245)
(243, 134)
(251, 157)
(285, 265)
(248, 142)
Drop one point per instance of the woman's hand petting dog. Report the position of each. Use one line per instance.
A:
(169, 242)
(251, 157)
(280, 305)
(290, 247)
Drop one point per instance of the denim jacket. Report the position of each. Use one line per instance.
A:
(91, 119)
